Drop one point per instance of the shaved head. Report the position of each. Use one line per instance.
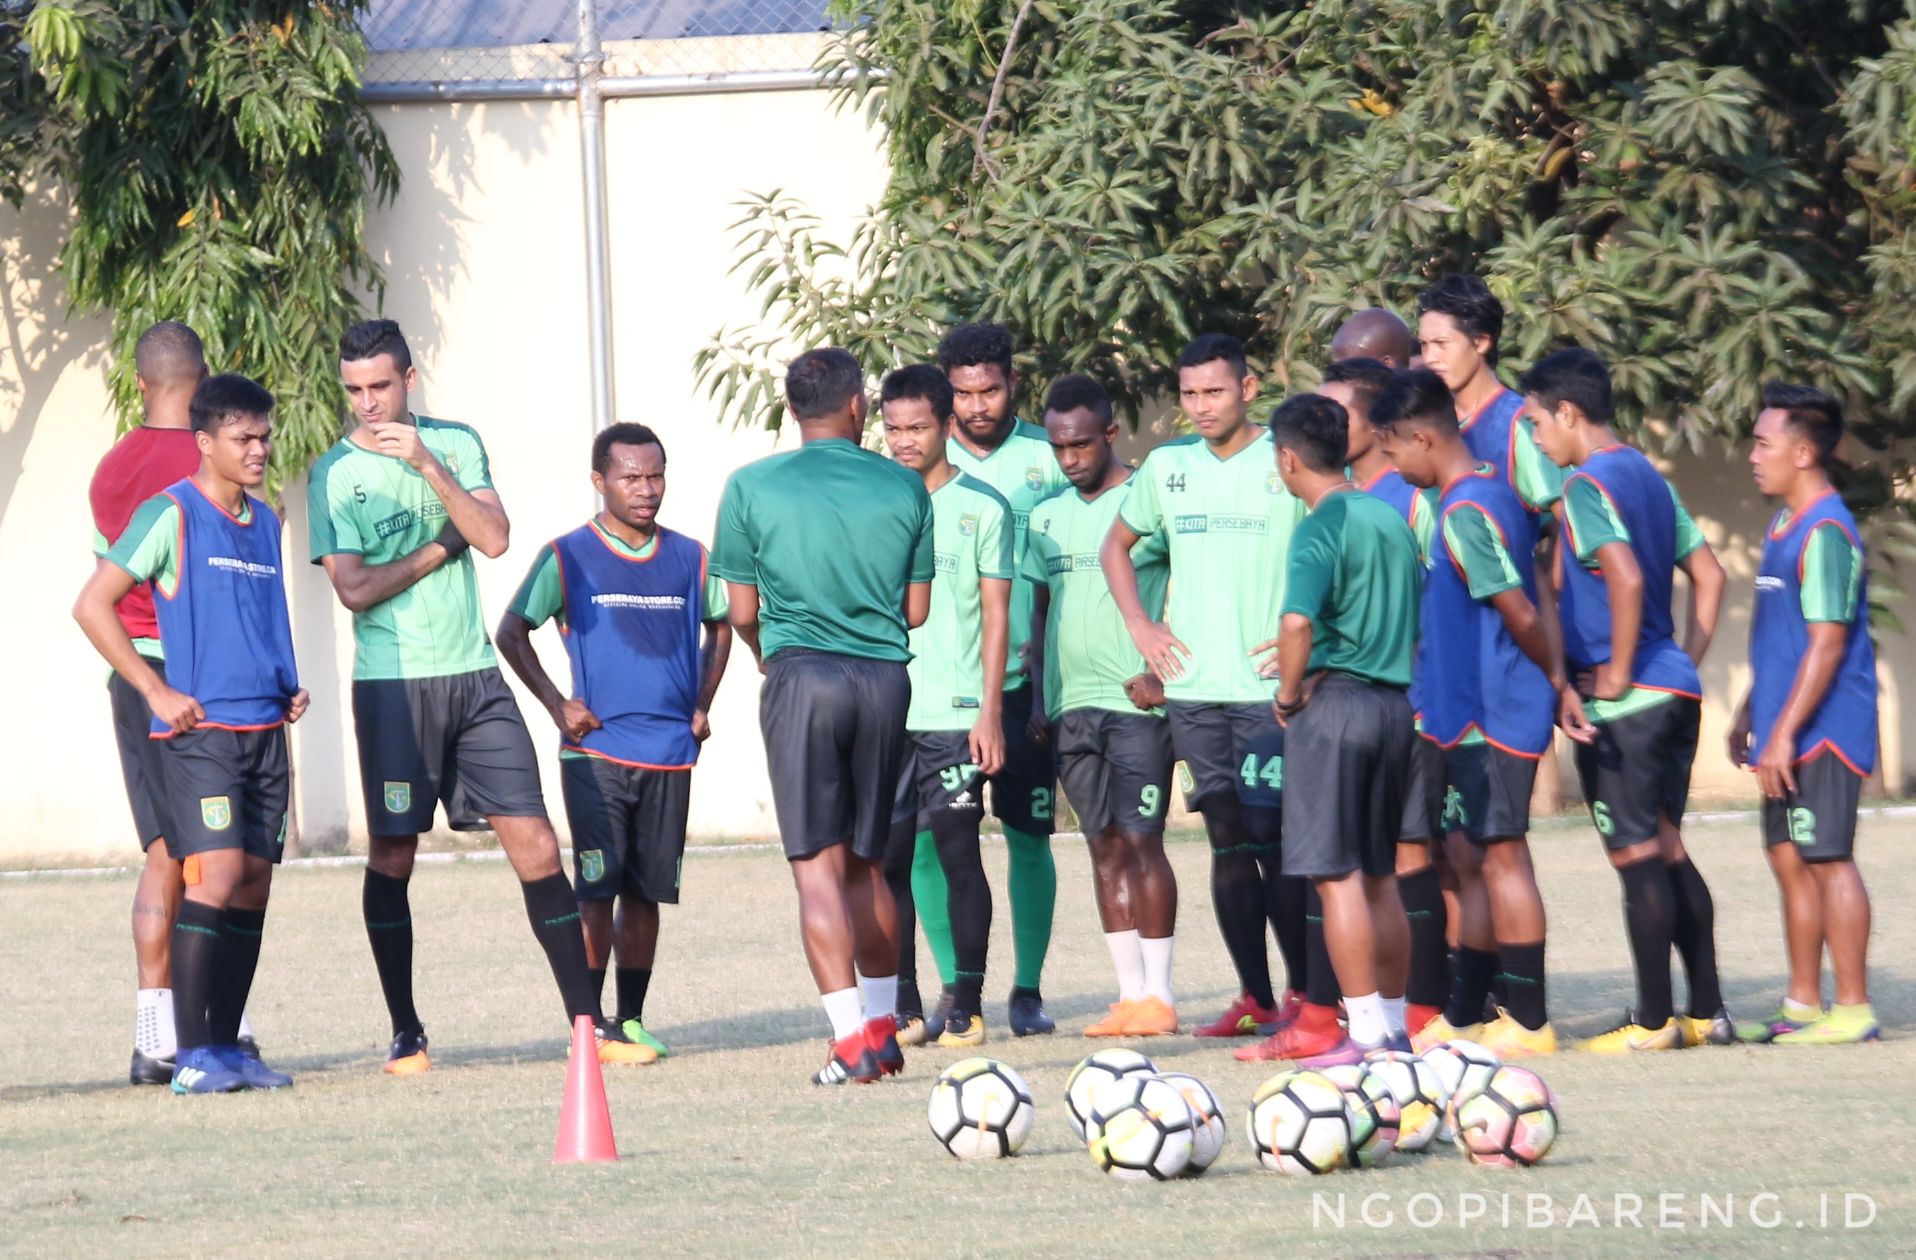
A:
(1374, 333)
(169, 354)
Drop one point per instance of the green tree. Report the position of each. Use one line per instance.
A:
(220, 167)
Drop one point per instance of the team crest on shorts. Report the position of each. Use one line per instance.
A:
(216, 812)
(592, 866)
(398, 797)
(968, 525)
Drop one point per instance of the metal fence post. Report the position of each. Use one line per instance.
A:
(591, 67)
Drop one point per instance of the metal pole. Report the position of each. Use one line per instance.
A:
(591, 67)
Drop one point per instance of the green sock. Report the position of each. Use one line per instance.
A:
(931, 900)
(1034, 896)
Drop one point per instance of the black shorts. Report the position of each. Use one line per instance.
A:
(1229, 748)
(226, 790)
(139, 755)
(628, 828)
(1638, 768)
(1349, 751)
(1424, 793)
(457, 739)
(1023, 794)
(835, 741)
(1487, 793)
(944, 778)
(1115, 769)
(1820, 816)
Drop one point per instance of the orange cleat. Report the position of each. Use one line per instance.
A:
(1151, 1017)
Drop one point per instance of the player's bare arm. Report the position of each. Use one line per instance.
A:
(1293, 660)
(1776, 762)
(361, 586)
(1161, 649)
(988, 733)
(917, 604)
(514, 641)
(714, 652)
(1623, 579)
(94, 610)
(296, 707)
(741, 610)
(478, 515)
(1707, 585)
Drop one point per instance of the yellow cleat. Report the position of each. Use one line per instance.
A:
(911, 1031)
(1151, 1017)
(1634, 1036)
(1707, 1030)
(973, 1034)
(615, 1049)
(1440, 1030)
(1113, 1024)
(1508, 1039)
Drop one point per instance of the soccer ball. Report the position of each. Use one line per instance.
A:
(1511, 1122)
(1093, 1073)
(1299, 1123)
(1374, 1113)
(1207, 1131)
(981, 1109)
(1140, 1129)
(1462, 1067)
(1418, 1092)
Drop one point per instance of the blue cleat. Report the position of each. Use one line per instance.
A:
(251, 1069)
(201, 1070)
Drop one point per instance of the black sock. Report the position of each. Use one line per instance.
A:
(900, 843)
(388, 917)
(195, 956)
(1475, 967)
(968, 899)
(597, 976)
(240, 934)
(1695, 936)
(1237, 895)
(633, 982)
(1320, 979)
(1423, 898)
(1523, 983)
(1285, 896)
(1650, 919)
(554, 914)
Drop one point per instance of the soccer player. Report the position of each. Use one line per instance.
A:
(1227, 521)
(1374, 333)
(392, 509)
(1489, 702)
(1636, 701)
(644, 628)
(1808, 725)
(957, 671)
(211, 552)
(828, 558)
(1103, 708)
(990, 443)
(1352, 586)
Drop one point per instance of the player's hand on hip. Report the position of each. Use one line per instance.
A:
(701, 726)
(401, 441)
(1572, 717)
(178, 710)
(1163, 651)
(296, 707)
(1265, 654)
(1776, 768)
(1145, 691)
(576, 720)
(987, 744)
(1607, 684)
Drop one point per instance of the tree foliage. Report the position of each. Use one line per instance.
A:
(220, 167)
(1709, 192)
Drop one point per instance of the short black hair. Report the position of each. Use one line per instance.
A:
(226, 399)
(1366, 377)
(821, 382)
(1576, 376)
(373, 337)
(1471, 306)
(169, 353)
(1415, 396)
(919, 381)
(624, 434)
(1210, 347)
(1314, 428)
(1078, 391)
(974, 345)
(1814, 415)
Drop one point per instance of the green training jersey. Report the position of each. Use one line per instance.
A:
(1354, 570)
(1025, 471)
(971, 540)
(830, 535)
(1089, 655)
(1832, 579)
(362, 503)
(1227, 525)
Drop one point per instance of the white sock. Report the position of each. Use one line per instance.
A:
(1394, 1016)
(880, 995)
(1128, 959)
(845, 1011)
(153, 1032)
(1366, 1015)
(246, 1025)
(1157, 966)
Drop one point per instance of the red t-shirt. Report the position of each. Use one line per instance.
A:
(140, 465)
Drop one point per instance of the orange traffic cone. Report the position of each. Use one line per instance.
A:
(585, 1123)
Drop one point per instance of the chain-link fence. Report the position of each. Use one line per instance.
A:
(452, 42)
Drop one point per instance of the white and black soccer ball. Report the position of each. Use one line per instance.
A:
(1207, 1116)
(980, 1109)
(1374, 1113)
(1419, 1095)
(1462, 1067)
(1094, 1072)
(1140, 1129)
(1299, 1123)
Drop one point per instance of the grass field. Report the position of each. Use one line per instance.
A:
(727, 1149)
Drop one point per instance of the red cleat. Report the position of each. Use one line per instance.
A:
(851, 1059)
(1416, 1016)
(1239, 1020)
(1294, 1041)
(881, 1035)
